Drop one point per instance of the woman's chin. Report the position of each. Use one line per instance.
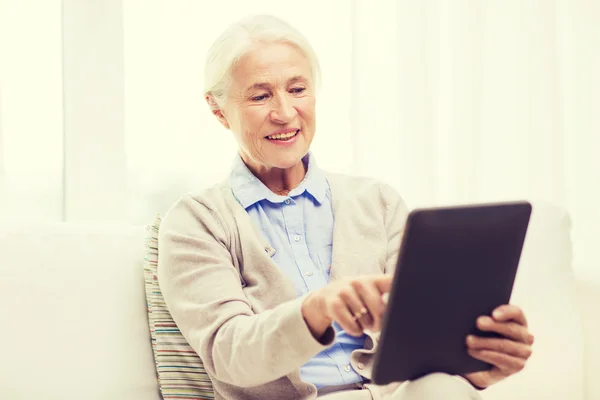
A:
(288, 161)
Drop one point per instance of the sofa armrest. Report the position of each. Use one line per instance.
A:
(588, 285)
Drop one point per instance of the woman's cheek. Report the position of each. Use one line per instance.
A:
(255, 144)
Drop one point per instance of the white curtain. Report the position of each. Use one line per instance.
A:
(31, 110)
(450, 101)
(2, 171)
(463, 101)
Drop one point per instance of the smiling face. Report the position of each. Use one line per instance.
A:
(270, 106)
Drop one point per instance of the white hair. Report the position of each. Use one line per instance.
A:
(236, 41)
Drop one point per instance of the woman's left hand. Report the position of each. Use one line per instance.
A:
(507, 355)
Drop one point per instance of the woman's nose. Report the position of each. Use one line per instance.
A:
(283, 110)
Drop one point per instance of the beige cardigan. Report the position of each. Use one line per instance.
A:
(238, 310)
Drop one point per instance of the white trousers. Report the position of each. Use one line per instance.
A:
(437, 386)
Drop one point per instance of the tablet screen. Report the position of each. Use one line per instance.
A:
(455, 264)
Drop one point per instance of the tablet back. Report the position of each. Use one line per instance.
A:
(455, 264)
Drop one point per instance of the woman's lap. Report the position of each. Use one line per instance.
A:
(430, 387)
(362, 394)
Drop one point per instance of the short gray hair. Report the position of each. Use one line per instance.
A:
(237, 39)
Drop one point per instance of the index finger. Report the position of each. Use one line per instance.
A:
(510, 312)
(383, 283)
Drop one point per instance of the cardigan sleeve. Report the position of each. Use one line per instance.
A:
(203, 291)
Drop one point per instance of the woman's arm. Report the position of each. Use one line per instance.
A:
(204, 294)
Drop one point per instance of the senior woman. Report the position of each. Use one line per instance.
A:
(277, 276)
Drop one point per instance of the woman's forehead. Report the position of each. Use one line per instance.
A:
(271, 64)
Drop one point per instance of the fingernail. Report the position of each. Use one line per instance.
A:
(497, 314)
(483, 320)
(470, 339)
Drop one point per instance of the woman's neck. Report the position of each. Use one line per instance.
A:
(280, 181)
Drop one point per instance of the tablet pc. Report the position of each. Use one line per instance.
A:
(455, 264)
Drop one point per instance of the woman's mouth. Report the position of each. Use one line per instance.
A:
(283, 137)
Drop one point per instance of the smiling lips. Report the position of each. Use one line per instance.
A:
(286, 134)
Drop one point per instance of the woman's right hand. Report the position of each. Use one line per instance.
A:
(356, 304)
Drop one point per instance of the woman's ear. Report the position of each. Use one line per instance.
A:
(216, 110)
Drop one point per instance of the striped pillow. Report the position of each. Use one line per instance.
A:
(181, 374)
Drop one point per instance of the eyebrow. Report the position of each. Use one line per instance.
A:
(265, 85)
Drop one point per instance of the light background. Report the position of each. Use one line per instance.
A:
(102, 116)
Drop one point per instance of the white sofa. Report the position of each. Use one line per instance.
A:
(73, 320)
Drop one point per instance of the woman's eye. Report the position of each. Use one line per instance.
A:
(259, 98)
(298, 90)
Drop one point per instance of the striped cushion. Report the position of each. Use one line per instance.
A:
(181, 374)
